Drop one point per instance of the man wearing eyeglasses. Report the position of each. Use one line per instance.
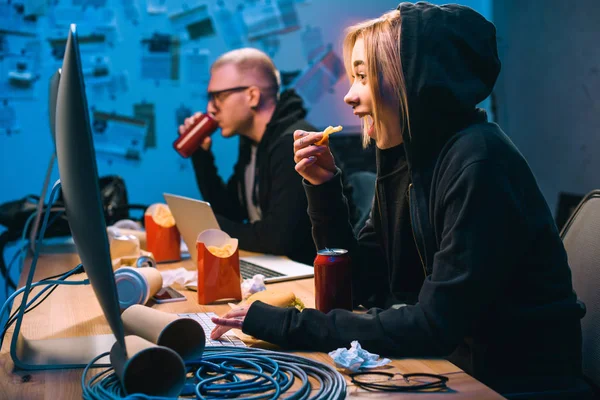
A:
(263, 204)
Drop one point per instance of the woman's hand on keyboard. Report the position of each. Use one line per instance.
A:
(233, 319)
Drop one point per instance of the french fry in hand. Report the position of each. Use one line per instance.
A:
(328, 131)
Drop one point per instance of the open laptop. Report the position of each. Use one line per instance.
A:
(194, 216)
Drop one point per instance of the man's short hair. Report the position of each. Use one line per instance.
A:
(253, 61)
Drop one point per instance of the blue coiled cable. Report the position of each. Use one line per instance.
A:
(266, 375)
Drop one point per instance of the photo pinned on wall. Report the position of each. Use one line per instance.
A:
(118, 138)
(19, 72)
(192, 23)
(160, 58)
(145, 111)
(276, 17)
(8, 119)
(320, 77)
(14, 21)
(230, 25)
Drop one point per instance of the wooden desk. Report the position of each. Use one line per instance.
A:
(74, 311)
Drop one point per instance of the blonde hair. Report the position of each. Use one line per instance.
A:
(250, 61)
(382, 52)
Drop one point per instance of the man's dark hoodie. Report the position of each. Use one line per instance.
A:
(497, 296)
(284, 227)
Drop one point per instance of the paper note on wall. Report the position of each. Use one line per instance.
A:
(8, 119)
(230, 26)
(131, 10)
(270, 45)
(192, 23)
(145, 111)
(160, 58)
(320, 77)
(100, 21)
(270, 18)
(19, 72)
(196, 65)
(96, 71)
(118, 137)
(13, 19)
(312, 42)
(155, 7)
(119, 84)
(35, 8)
(92, 44)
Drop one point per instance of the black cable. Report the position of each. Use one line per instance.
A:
(11, 319)
(7, 237)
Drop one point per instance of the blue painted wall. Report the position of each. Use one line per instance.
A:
(24, 155)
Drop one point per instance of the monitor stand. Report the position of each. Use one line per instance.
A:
(73, 352)
(51, 245)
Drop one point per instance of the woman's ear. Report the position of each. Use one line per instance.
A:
(254, 97)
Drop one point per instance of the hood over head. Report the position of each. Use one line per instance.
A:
(450, 64)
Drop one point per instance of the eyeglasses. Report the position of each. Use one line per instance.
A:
(215, 95)
(412, 382)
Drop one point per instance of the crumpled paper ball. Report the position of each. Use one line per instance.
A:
(356, 358)
(253, 285)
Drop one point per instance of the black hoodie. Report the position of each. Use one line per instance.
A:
(284, 227)
(497, 297)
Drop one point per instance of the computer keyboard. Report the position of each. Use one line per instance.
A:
(204, 320)
(248, 270)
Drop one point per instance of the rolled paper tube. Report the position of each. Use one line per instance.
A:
(183, 335)
(147, 368)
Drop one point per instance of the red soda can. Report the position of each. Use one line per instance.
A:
(333, 280)
(189, 141)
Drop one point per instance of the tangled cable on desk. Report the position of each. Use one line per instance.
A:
(266, 375)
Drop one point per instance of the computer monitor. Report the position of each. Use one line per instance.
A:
(52, 98)
(81, 193)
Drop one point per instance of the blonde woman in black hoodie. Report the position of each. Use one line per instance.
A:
(455, 202)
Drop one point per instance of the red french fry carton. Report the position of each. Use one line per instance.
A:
(218, 267)
(162, 236)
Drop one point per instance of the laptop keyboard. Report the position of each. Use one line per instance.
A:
(248, 270)
(207, 325)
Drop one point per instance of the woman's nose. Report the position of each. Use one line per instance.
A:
(351, 99)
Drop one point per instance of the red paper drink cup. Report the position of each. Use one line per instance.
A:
(189, 141)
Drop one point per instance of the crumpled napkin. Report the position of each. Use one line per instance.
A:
(356, 358)
(253, 285)
(180, 275)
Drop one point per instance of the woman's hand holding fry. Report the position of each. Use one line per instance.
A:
(314, 162)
